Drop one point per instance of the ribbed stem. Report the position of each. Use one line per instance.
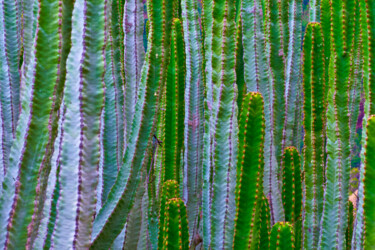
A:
(282, 236)
(249, 172)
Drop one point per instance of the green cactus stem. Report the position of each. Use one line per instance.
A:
(281, 236)
(292, 185)
(67, 202)
(349, 230)
(368, 183)
(175, 230)
(277, 76)
(170, 190)
(292, 191)
(298, 233)
(265, 224)
(249, 172)
(314, 120)
(174, 110)
(325, 20)
(367, 35)
(240, 81)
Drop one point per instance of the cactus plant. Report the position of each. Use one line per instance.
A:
(192, 124)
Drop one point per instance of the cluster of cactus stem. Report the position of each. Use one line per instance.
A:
(187, 124)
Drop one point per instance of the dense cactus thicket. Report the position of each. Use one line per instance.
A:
(187, 124)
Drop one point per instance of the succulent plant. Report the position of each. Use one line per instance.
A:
(192, 124)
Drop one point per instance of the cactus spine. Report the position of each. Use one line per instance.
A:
(249, 172)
